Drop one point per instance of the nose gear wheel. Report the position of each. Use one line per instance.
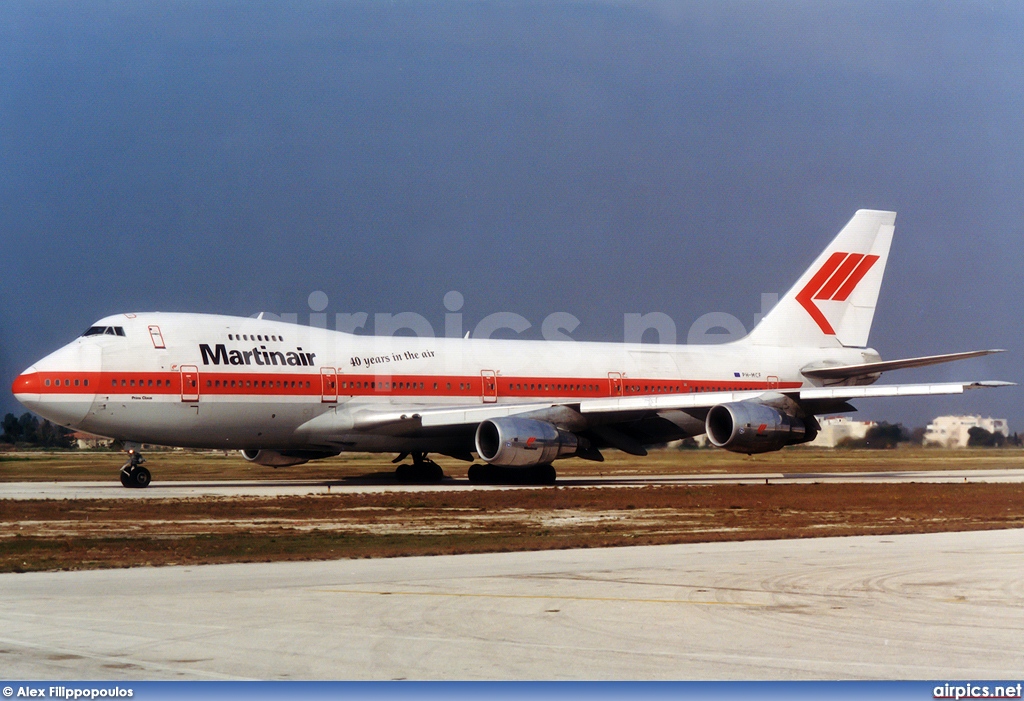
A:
(133, 474)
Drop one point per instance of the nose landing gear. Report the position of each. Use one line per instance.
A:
(133, 474)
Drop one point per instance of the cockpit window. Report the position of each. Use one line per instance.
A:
(104, 331)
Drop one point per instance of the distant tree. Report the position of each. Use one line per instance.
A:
(980, 438)
(885, 436)
(917, 435)
(881, 436)
(11, 429)
(29, 430)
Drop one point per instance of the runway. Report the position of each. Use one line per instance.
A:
(937, 606)
(112, 489)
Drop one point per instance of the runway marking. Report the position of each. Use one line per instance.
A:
(541, 597)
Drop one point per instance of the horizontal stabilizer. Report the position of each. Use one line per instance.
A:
(843, 372)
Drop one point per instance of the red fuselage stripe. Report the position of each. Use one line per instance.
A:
(348, 385)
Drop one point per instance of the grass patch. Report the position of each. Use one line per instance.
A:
(192, 466)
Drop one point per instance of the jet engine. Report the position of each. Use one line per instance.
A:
(749, 427)
(273, 458)
(512, 442)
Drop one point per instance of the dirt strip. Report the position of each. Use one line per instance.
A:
(85, 534)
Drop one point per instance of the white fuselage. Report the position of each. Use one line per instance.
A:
(208, 381)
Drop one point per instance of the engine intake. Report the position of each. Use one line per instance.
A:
(511, 442)
(749, 427)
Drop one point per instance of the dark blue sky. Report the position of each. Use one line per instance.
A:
(594, 158)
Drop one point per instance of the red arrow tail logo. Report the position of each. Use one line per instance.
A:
(834, 281)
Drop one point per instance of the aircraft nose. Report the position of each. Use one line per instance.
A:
(57, 387)
(26, 383)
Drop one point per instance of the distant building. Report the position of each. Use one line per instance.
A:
(952, 431)
(836, 428)
(88, 440)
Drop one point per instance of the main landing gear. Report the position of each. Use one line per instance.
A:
(493, 474)
(133, 474)
(422, 471)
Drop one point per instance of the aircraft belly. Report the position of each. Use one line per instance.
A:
(204, 424)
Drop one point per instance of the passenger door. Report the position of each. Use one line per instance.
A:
(329, 385)
(489, 383)
(189, 383)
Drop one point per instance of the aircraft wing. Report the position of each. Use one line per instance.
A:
(414, 421)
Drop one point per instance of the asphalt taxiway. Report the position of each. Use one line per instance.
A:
(936, 606)
(112, 489)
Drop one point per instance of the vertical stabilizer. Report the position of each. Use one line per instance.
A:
(833, 302)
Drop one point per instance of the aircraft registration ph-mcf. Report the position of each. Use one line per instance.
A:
(285, 394)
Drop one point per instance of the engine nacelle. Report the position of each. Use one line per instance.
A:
(512, 442)
(272, 458)
(749, 427)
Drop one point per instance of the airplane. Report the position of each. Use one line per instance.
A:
(285, 394)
